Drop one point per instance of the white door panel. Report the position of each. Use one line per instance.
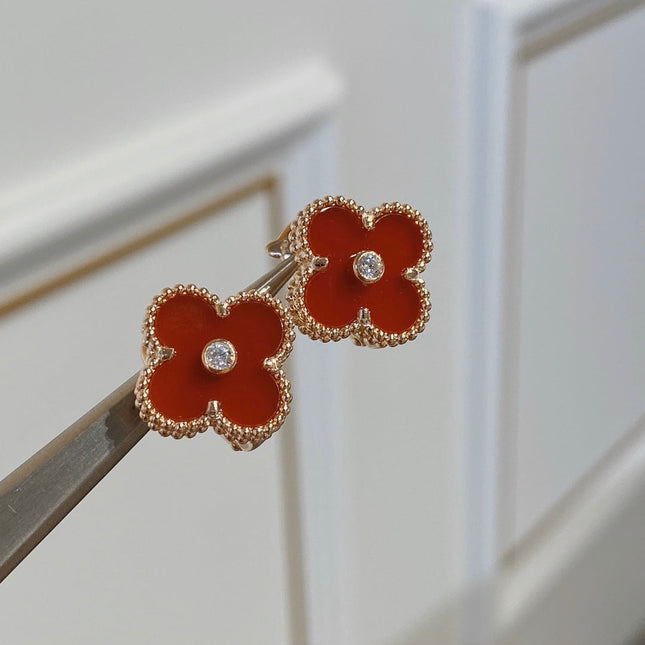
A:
(552, 142)
(581, 376)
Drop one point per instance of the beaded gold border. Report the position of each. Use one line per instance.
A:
(362, 330)
(240, 437)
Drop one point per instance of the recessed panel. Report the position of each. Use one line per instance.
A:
(581, 377)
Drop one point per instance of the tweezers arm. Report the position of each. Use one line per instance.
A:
(36, 496)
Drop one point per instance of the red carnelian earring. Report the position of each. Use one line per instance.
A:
(358, 272)
(215, 363)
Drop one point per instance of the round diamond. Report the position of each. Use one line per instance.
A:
(219, 356)
(369, 266)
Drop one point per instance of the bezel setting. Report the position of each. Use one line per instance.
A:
(368, 267)
(210, 362)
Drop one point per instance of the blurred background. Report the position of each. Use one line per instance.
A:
(483, 484)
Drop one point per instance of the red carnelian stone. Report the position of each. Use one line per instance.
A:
(399, 241)
(181, 387)
(335, 233)
(334, 295)
(396, 307)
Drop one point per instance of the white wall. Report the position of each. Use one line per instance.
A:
(553, 167)
(78, 76)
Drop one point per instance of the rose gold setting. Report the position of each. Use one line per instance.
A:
(279, 248)
(240, 437)
(362, 330)
(320, 263)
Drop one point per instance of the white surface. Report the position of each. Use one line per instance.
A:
(581, 377)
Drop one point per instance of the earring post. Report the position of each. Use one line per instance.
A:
(37, 495)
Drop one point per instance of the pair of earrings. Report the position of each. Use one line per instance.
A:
(218, 363)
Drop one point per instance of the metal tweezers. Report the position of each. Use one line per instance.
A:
(36, 496)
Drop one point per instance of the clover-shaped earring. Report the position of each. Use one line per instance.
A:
(213, 363)
(358, 272)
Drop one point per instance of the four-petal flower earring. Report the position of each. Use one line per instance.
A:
(213, 363)
(358, 272)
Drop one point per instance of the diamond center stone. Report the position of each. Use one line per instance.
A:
(219, 356)
(369, 266)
